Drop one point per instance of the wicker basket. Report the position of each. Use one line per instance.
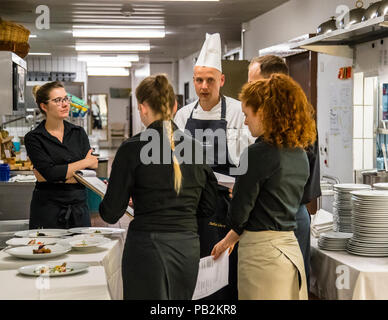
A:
(21, 49)
(13, 32)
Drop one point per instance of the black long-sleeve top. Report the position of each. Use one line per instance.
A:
(157, 207)
(51, 157)
(312, 189)
(269, 194)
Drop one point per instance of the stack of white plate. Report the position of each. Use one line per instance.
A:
(342, 205)
(369, 223)
(381, 186)
(336, 241)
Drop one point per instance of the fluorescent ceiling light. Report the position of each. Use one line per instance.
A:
(32, 36)
(96, 26)
(113, 47)
(97, 63)
(39, 54)
(122, 72)
(112, 57)
(118, 33)
(184, 0)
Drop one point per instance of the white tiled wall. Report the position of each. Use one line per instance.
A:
(65, 64)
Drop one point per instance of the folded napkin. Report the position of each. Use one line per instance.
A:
(23, 178)
(321, 222)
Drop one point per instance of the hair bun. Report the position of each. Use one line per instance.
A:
(161, 81)
(35, 89)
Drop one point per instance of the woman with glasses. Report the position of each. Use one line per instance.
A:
(57, 149)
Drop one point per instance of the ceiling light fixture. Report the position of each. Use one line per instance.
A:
(39, 54)
(118, 33)
(96, 26)
(108, 57)
(113, 47)
(121, 72)
(113, 64)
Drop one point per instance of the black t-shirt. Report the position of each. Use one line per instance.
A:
(312, 189)
(268, 195)
(51, 157)
(157, 206)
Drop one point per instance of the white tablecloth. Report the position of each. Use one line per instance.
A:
(338, 275)
(89, 285)
(107, 256)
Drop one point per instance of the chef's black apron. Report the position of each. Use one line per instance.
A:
(59, 206)
(213, 229)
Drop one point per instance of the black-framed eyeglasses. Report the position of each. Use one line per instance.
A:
(58, 101)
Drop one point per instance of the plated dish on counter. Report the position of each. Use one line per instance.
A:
(84, 242)
(38, 252)
(15, 242)
(53, 270)
(95, 230)
(43, 233)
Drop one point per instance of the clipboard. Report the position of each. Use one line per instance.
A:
(90, 180)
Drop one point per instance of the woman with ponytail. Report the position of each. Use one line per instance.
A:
(161, 254)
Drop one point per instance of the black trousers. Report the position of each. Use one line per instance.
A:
(160, 266)
(211, 231)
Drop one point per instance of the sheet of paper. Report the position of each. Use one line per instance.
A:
(212, 275)
(88, 173)
(225, 180)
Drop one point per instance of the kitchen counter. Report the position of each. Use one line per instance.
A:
(15, 199)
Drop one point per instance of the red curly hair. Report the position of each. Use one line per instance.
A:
(288, 117)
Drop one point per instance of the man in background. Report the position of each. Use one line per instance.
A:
(262, 68)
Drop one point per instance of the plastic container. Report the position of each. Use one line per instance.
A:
(23, 153)
(4, 172)
(16, 143)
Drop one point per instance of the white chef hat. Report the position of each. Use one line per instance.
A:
(210, 55)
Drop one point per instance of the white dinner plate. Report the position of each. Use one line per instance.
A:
(15, 242)
(26, 252)
(71, 268)
(43, 233)
(336, 235)
(381, 186)
(350, 186)
(95, 230)
(85, 242)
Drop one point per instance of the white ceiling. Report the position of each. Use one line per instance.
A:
(186, 22)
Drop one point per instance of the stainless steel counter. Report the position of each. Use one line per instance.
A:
(15, 198)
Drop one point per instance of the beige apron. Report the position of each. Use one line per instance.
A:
(270, 267)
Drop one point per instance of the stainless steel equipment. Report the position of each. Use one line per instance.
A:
(102, 170)
(327, 26)
(15, 199)
(371, 177)
(371, 12)
(12, 84)
(8, 228)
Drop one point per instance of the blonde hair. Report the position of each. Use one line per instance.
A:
(160, 96)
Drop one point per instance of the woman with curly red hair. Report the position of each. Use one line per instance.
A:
(267, 197)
